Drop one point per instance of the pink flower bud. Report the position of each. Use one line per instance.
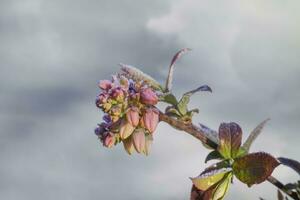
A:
(109, 140)
(148, 96)
(105, 84)
(126, 129)
(132, 116)
(138, 137)
(150, 119)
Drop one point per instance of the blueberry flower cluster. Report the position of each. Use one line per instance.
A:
(130, 114)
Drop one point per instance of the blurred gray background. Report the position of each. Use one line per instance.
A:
(52, 53)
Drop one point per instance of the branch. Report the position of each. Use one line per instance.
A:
(280, 186)
(193, 130)
(202, 135)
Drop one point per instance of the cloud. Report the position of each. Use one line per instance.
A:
(54, 52)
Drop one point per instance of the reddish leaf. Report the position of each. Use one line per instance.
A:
(230, 136)
(197, 194)
(254, 168)
(171, 68)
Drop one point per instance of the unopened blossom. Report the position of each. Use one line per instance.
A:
(109, 140)
(138, 137)
(151, 119)
(132, 116)
(126, 129)
(105, 84)
(124, 82)
(148, 96)
(128, 145)
(148, 143)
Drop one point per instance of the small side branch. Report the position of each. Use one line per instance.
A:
(280, 186)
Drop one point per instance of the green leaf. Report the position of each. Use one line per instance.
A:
(209, 177)
(253, 135)
(182, 105)
(185, 99)
(190, 113)
(241, 152)
(171, 68)
(215, 192)
(230, 137)
(213, 155)
(169, 98)
(222, 188)
(171, 111)
(295, 165)
(254, 168)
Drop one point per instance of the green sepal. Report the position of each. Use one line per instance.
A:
(185, 99)
(169, 98)
(213, 155)
(171, 111)
(241, 152)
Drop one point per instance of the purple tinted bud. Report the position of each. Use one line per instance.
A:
(107, 118)
(99, 130)
(148, 96)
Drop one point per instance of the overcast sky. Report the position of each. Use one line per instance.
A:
(52, 54)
